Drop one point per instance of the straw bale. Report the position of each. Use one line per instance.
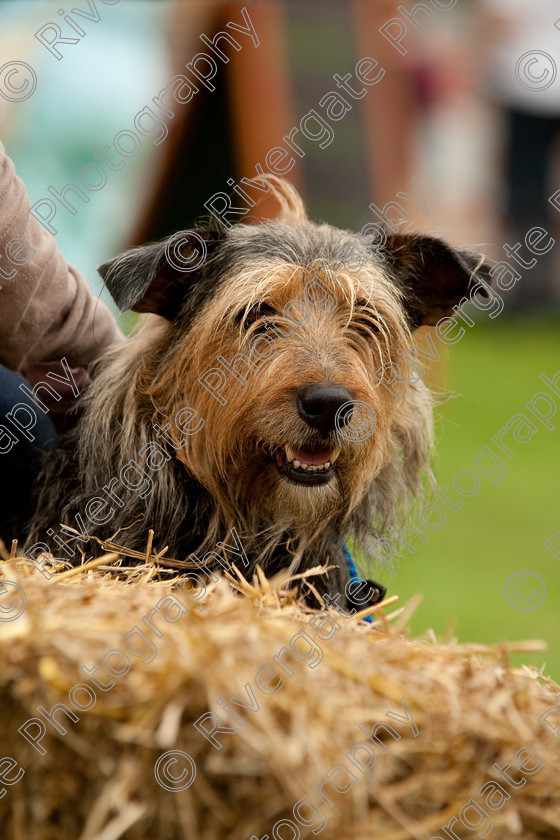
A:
(97, 781)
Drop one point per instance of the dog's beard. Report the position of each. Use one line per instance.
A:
(251, 481)
(300, 507)
(262, 494)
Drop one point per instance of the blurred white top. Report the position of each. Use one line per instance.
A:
(524, 60)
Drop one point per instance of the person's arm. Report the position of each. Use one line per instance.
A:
(47, 309)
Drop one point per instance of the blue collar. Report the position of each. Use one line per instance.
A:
(354, 576)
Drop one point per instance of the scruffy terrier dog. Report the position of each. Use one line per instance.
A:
(268, 394)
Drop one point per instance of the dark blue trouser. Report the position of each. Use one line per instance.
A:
(20, 457)
(532, 139)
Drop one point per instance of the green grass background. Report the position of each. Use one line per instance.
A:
(462, 571)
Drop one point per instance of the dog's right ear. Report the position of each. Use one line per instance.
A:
(433, 276)
(156, 278)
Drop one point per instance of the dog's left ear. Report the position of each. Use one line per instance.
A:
(433, 276)
(156, 278)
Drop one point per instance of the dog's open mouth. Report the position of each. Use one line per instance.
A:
(305, 466)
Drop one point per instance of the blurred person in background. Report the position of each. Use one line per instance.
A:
(520, 51)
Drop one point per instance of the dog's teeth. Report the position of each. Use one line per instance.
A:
(299, 465)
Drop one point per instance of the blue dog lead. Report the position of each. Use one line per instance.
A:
(355, 578)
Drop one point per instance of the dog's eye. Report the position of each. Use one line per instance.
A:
(364, 328)
(250, 316)
(364, 321)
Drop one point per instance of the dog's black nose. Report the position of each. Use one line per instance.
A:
(318, 405)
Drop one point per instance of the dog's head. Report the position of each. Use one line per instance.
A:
(293, 342)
